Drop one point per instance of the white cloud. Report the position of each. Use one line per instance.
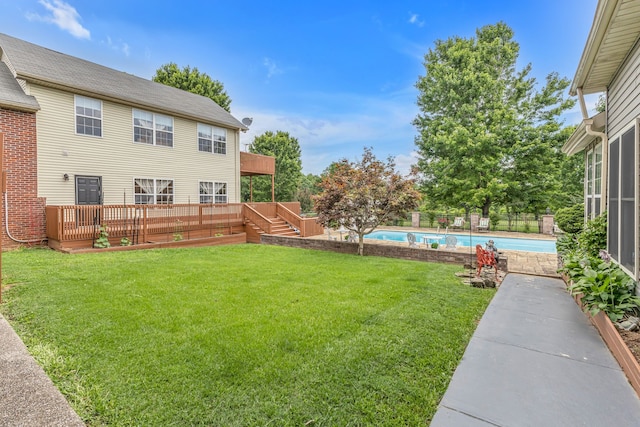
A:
(383, 124)
(272, 67)
(404, 162)
(118, 46)
(64, 16)
(414, 19)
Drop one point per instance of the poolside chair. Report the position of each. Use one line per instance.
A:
(353, 237)
(485, 258)
(450, 242)
(458, 222)
(483, 225)
(411, 238)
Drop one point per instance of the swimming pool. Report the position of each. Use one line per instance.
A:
(508, 243)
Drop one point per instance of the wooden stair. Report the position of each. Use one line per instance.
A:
(279, 227)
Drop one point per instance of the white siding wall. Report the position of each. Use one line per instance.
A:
(117, 159)
(624, 95)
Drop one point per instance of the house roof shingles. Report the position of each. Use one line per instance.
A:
(44, 66)
(11, 94)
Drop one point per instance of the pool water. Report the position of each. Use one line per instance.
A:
(508, 243)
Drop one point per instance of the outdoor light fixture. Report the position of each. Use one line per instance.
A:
(66, 176)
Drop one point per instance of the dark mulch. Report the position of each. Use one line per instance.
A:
(632, 339)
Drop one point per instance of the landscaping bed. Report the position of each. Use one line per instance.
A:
(632, 341)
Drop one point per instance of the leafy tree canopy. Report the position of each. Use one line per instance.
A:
(364, 194)
(191, 80)
(485, 134)
(286, 150)
(308, 187)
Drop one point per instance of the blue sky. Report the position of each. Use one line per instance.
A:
(337, 75)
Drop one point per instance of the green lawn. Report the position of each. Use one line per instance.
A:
(242, 335)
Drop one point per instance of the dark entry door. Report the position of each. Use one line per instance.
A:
(88, 192)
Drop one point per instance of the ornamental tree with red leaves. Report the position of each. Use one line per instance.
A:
(362, 195)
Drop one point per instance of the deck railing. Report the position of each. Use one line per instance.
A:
(137, 222)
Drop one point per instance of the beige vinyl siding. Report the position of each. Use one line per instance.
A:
(624, 95)
(117, 159)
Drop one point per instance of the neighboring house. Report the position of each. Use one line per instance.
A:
(610, 140)
(79, 133)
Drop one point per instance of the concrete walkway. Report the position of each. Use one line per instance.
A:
(535, 360)
(27, 395)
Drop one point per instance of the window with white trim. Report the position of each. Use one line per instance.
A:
(88, 116)
(212, 139)
(149, 191)
(151, 128)
(220, 189)
(593, 181)
(622, 236)
(213, 192)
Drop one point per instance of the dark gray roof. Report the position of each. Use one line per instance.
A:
(45, 66)
(11, 94)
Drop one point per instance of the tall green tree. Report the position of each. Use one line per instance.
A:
(286, 150)
(364, 194)
(192, 80)
(485, 132)
(308, 187)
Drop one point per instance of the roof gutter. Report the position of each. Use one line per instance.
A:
(588, 122)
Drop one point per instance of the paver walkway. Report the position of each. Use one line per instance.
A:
(535, 360)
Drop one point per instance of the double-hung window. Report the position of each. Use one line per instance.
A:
(593, 182)
(622, 233)
(212, 139)
(151, 128)
(213, 192)
(88, 116)
(220, 189)
(149, 191)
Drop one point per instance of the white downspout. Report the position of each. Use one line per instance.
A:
(605, 149)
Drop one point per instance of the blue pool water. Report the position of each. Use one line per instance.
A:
(508, 243)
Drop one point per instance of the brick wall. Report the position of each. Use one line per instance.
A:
(25, 208)
(404, 252)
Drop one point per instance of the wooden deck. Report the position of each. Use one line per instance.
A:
(74, 227)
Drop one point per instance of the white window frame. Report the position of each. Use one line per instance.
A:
(214, 137)
(219, 197)
(154, 125)
(214, 196)
(85, 116)
(155, 194)
(593, 181)
(207, 196)
(622, 234)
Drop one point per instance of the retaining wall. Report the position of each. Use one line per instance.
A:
(460, 257)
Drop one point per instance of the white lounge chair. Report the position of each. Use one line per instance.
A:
(458, 222)
(483, 225)
(411, 238)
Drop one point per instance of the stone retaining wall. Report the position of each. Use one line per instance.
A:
(460, 257)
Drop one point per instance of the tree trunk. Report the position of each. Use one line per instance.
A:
(360, 244)
(485, 208)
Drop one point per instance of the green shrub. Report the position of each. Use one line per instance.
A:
(431, 218)
(571, 220)
(604, 287)
(494, 220)
(566, 243)
(103, 238)
(594, 236)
